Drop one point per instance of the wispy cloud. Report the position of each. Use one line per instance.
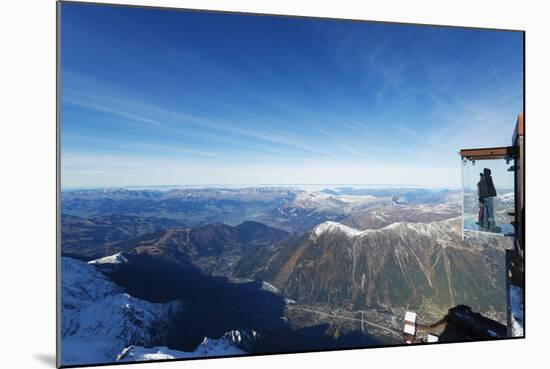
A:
(86, 103)
(104, 97)
(495, 74)
(359, 102)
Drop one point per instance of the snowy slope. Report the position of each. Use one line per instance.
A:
(318, 201)
(334, 226)
(329, 226)
(208, 347)
(98, 320)
(517, 308)
(111, 259)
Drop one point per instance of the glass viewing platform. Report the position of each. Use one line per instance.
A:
(488, 195)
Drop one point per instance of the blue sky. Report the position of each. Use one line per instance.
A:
(158, 97)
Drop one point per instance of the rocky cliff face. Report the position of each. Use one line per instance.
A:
(400, 265)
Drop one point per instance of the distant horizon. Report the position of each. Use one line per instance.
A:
(302, 186)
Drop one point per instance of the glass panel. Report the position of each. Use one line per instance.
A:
(487, 196)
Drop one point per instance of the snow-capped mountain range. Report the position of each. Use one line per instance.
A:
(99, 322)
(336, 264)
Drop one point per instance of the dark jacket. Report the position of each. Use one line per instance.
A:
(486, 187)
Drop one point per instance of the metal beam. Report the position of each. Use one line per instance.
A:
(489, 153)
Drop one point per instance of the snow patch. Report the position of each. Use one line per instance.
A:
(270, 288)
(392, 226)
(289, 301)
(317, 200)
(112, 259)
(357, 199)
(208, 347)
(516, 305)
(330, 226)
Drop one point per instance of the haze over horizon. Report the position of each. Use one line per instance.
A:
(155, 97)
(310, 186)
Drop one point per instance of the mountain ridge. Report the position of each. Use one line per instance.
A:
(404, 264)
